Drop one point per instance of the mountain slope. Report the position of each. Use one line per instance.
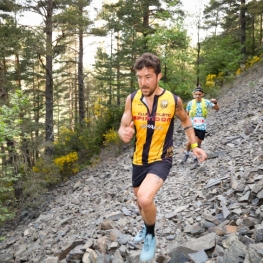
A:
(210, 214)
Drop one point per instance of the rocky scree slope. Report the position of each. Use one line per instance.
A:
(211, 214)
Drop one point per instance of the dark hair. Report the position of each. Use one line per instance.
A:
(199, 89)
(148, 60)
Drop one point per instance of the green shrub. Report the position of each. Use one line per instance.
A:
(47, 171)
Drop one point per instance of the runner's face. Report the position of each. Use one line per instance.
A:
(198, 95)
(147, 80)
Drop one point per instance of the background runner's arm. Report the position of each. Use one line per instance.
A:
(216, 107)
(185, 121)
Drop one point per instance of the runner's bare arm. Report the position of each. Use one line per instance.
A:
(216, 107)
(126, 129)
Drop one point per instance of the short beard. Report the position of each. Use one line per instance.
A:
(151, 92)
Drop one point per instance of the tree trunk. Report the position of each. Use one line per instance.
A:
(110, 90)
(260, 34)
(146, 25)
(118, 73)
(198, 55)
(3, 85)
(253, 34)
(49, 74)
(81, 80)
(18, 70)
(243, 29)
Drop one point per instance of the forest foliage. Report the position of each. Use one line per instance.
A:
(56, 114)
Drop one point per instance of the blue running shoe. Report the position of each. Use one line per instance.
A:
(148, 250)
(140, 235)
(184, 159)
(196, 163)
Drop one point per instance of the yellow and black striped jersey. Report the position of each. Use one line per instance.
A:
(153, 131)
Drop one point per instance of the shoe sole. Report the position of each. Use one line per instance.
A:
(151, 260)
(136, 241)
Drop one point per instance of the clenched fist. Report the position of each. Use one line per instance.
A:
(128, 133)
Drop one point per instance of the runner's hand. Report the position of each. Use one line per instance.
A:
(200, 154)
(213, 100)
(128, 133)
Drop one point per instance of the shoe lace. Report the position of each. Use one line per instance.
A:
(141, 232)
(147, 242)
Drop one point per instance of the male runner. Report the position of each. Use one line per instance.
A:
(149, 115)
(197, 110)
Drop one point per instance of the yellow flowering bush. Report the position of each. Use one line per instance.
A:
(87, 120)
(221, 74)
(252, 61)
(98, 108)
(211, 77)
(210, 80)
(210, 84)
(67, 164)
(248, 64)
(111, 136)
(47, 170)
(112, 141)
(67, 141)
(238, 72)
(36, 169)
(65, 136)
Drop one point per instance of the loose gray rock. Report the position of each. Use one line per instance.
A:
(212, 213)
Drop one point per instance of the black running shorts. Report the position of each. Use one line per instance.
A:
(160, 168)
(200, 134)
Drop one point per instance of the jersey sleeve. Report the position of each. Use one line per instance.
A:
(188, 106)
(209, 104)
